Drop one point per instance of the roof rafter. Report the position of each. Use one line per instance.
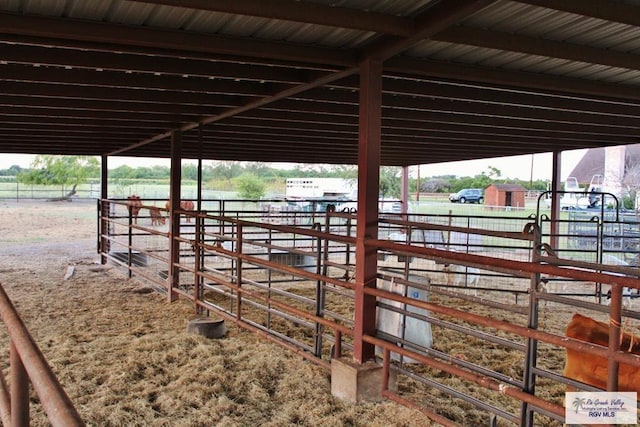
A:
(296, 11)
(145, 63)
(537, 46)
(99, 32)
(513, 79)
(430, 22)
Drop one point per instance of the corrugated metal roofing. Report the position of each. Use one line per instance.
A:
(465, 79)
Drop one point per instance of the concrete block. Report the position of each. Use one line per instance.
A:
(355, 382)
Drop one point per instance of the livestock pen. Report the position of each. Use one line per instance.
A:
(493, 356)
(123, 354)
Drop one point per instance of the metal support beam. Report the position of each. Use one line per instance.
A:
(404, 189)
(368, 189)
(173, 277)
(19, 389)
(555, 198)
(199, 189)
(418, 186)
(615, 329)
(103, 243)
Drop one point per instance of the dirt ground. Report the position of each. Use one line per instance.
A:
(123, 355)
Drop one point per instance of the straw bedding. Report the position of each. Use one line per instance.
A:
(123, 354)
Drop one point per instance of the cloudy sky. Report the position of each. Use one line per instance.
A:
(510, 167)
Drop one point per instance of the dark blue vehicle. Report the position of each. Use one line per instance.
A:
(468, 195)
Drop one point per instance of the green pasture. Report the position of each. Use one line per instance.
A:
(157, 191)
(436, 205)
(117, 190)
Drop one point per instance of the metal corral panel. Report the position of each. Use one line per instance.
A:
(413, 330)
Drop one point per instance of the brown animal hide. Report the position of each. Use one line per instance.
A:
(156, 216)
(591, 369)
(134, 203)
(185, 205)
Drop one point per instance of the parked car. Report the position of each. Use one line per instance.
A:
(468, 195)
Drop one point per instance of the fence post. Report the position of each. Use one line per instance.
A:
(238, 272)
(531, 356)
(198, 259)
(320, 291)
(19, 389)
(130, 242)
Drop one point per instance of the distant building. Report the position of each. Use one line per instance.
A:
(611, 163)
(504, 195)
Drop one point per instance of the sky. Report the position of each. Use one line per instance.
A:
(510, 167)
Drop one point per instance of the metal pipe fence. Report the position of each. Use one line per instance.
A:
(28, 365)
(470, 311)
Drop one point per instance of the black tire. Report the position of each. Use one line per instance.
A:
(480, 200)
(462, 200)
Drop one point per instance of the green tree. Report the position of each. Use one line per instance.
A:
(259, 169)
(390, 181)
(227, 170)
(250, 186)
(61, 170)
(479, 181)
(435, 185)
(494, 172)
(14, 170)
(190, 171)
(122, 172)
(345, 171)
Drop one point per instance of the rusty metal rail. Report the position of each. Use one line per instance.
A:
(226, 267)
(28, 364)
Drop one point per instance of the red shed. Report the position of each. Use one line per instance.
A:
(507, 195)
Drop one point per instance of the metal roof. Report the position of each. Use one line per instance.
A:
(278, 80)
